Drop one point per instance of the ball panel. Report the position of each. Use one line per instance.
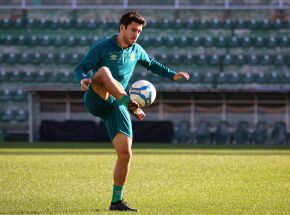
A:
(143, 92)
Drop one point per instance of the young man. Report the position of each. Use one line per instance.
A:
(113, 61)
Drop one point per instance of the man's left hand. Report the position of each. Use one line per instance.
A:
(181, 76)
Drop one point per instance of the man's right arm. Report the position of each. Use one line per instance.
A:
(89, 62)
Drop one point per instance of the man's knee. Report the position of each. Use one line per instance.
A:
(125, 155)
(101, 74)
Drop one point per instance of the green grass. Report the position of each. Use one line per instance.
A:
(164, 179)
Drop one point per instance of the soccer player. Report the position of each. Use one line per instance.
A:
(113, 61)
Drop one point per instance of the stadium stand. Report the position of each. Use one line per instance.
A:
(223, 50)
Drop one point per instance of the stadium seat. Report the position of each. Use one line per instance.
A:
(184, 41)
(261, 78)
(33, 41)
(203, 24)
(3, 76)
(228, 24)
(216, 24)
(202, 134)
(248, 78)
(41, 77)
(274, 78)
(21, 115)
(284, 41)
(15, 76)
(278, 60)
(242, 133)
(7, 116)
(62, 59)
(12, 58)
(260, 135)
(214, 60)
(196, 79)
(58, 41)
(28, 76)
(196, 41)
(91, 24)
(208, 42)
(71, 41)
(49, 58)
(182, 134)
(84, 41)
(188, 59)
(6, 23)
(279, 135)
(272, 42)
(46, 40)
(22, 40)
(222, 133)
(222, 79)
(234, 42)
(228, 60)
(259, 42)
(24, 58)
(266, 60)
(221, 42)
(201, 59)
(19, 96)
(246, 42)
(277, 24)
(254, 24)
(253, 60)
(234, 79)
(191, 24)
(36, 58)
(266, 24)
(240, 60)
(170, 41)
(5, 95)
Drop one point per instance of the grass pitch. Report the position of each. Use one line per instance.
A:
(164, 179)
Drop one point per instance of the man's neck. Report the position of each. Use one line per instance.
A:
(121, 42)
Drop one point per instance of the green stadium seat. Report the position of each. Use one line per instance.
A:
(279, 135)
(259, 42)
(214, 60)
(9, 40)
(208, 79)
(80, 24)
(234, 42)
(203, 24)
(19, 96)
(19, 23)
(260, 135)
(32, 23)
(21, 115)
(71, 41)
(287, 60)
(6, 23)
(3, 58)
(22, 40)
(182, 134)
(58, 41)
(43, 24)
(234, 79)
(202, 135)
(287, 24)
(53, 77)
(3, 76)
(277, 24)
(67, 77)
(201, 59)
(54, 24)
(208, 42)
(216, 24)
(7, 116)
(266, 24)
(49, 58)
(242, 133)
(184, 41)
(170, 41)
(46, 41)
(191, 24)
(246, 42)
(228, 24)
(240, 24)
(28, 76)
(91, 24)
(5, 95)
(165, 24)
(278, 60)
(37, 58)
(83, 41)
(178, 24)
(33, 41)
(95, 39)
(62, 59)
(253, 60)
(222, 79)
(261, 78)
(284, 41)
(176, 59)
(272, 42)
(222, 134)
(228, 60)
(67, 24)
(41, 77)
(24, 58)
(188, 59)
(15, 76)
(196, 78)
(248, 78)
(240, 60)
(196, 41)
(274, 78)
(266, 60)
(12, 58)
(254, 24)
(74, 58)
(221, 42)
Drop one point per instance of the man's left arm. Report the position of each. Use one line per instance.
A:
(160, 69)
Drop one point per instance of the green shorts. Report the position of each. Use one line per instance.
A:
(115, 115)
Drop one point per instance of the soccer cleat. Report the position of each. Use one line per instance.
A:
(135, 110)
(121, 206)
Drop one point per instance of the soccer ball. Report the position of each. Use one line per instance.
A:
(143, 92)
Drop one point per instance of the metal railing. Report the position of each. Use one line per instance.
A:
(130, 4)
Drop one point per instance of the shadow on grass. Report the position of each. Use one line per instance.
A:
(102, 145)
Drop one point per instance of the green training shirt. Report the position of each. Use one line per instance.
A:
(121, 62)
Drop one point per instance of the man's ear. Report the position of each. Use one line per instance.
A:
(122, 27)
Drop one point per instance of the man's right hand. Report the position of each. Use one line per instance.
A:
(85, 84)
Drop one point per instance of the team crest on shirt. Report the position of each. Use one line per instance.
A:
(113, 56)
(132, 57)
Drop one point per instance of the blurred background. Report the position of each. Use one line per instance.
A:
(237, 53)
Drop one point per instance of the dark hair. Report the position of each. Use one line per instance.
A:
(132, 16)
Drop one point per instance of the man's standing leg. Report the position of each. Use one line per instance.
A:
(122, 144)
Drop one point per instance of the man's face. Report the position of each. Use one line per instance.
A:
(131, 33)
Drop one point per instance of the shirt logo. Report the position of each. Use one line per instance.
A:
(113, 56)
(132, 57)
